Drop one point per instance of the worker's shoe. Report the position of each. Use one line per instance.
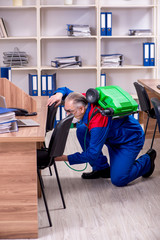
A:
(152, 153)
(104, 173)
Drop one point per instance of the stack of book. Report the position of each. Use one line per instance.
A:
(8, 122)
(64, 62)
(78, 30)
(111, 60)
(139, 32)
(15, 58)
(3, 30)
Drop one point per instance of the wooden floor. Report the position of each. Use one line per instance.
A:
(96, 209)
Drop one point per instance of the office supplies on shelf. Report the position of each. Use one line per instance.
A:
(149, 54)
(111, 60)
(152, 54)
(3, 30)
(106, 23)
(5, 72)
(48, 84)
(69, 61)
(78, 30)
(140, 32)
(109, 23)
(8, 121)
(43, 85)
(103, 80)
(103, 24)
(51, 84)
(15, 58)
(65, 65)
(146, 54)
(33, 85)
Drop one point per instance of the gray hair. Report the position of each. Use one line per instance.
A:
(78, 99)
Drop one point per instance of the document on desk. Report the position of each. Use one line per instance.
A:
(27, 123)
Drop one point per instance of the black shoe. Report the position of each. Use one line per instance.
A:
(152, 153)
(105, 173)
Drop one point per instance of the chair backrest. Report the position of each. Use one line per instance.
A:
(51, 114)
(156, 105)
(143, 98)
(59, 137)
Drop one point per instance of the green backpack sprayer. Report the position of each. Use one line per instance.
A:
(114, 101)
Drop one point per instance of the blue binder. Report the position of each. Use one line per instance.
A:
(58, 116)
(64, 114)
(33, 85)
(51, 84)
(146, 50)
(103, 24)
(152, 54)
(5, 72)
(43, 85)
(109, 23)
(103, 80)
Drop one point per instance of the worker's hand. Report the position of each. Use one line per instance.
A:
(61, 158)
(56, 98)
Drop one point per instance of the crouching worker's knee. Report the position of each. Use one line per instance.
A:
(119, 181)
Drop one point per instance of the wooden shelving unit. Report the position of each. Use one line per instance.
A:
(40, 30)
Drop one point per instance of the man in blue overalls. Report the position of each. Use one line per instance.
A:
(124, 138)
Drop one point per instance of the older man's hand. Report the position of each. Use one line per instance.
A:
(56, 98)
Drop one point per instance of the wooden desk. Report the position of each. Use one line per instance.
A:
(151, 86)
(18, 178)
(152, 90)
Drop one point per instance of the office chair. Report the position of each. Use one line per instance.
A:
(45, 156)
(156, 105)
(51, 115)
(145, 105)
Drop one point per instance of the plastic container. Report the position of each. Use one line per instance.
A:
(113, 97)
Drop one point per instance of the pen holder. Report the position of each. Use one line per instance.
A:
(17, 3)
(68, 2)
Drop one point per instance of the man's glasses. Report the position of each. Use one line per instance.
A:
(70, 111)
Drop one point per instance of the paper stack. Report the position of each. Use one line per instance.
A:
(69, 61)
(15, 58)
(139, 32)
(111, 60)
(8, 122)
(78, 30)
